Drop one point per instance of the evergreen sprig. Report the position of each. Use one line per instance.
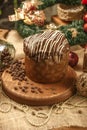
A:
(80, 38)
(70, 2)
(48, 3)
(26, 30)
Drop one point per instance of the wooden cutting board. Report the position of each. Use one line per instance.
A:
(58, 21)
(32, 93)
(71, 128)
(50, 93)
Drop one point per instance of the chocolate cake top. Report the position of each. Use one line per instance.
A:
(46, 45)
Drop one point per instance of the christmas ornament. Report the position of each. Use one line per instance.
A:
(85, 17)
(84, 2)
(85, 27)
(73, 59)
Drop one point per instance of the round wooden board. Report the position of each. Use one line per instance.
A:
(49, 93)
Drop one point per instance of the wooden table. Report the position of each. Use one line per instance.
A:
(71, 128)
(2, 32)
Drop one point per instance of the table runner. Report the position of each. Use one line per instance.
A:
(14, 116)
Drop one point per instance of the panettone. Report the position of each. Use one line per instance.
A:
(70, 12)
(46, 56)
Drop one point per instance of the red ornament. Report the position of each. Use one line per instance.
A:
(73, 59)
(85, 27)
(85, 17)
(32, 7)
(85, 46)
(84, 2)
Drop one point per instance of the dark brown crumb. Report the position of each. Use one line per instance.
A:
(79, 111)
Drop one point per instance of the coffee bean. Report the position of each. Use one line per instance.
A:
(15, 107)
(33, 113)
(79, 111)
(27, 83)
(5, 59)
(23, 90)
(15, 88)
(20, 87)
(40, 91)
(17, 70)
(26, 87)
(33, 91)
(7, 71)
(19, 83)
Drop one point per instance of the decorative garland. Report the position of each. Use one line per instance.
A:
(49, 3)
(75, 33)
(25, 30)
(79, 26)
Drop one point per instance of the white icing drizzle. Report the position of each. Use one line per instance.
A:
(46, 45)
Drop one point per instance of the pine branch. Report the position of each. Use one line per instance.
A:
(48, 3)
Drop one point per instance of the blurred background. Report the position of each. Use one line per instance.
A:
(7, 8)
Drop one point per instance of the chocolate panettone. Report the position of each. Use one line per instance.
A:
(46, 56)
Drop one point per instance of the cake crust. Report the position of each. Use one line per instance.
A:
(70, 13)
(46, 56)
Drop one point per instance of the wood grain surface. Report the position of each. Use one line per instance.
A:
(2, 36)
(43, 94)
(3, 33)
(58, 21)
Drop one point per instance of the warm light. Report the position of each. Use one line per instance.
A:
(33, 1)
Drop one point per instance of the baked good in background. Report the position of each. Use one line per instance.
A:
(46, 56)
(82, 84)
(70, 12)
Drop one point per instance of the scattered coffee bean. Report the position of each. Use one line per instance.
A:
(32, 87)
(5, 59)
(33, 113)
(39, 90)
(79, 111)
(36, 90)
(15, 107)
(27, 83)
(19, 83)
(20, 87)
(7, 71)
(23, 90)
(17, 71)
(15, 88)
(33, 91)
